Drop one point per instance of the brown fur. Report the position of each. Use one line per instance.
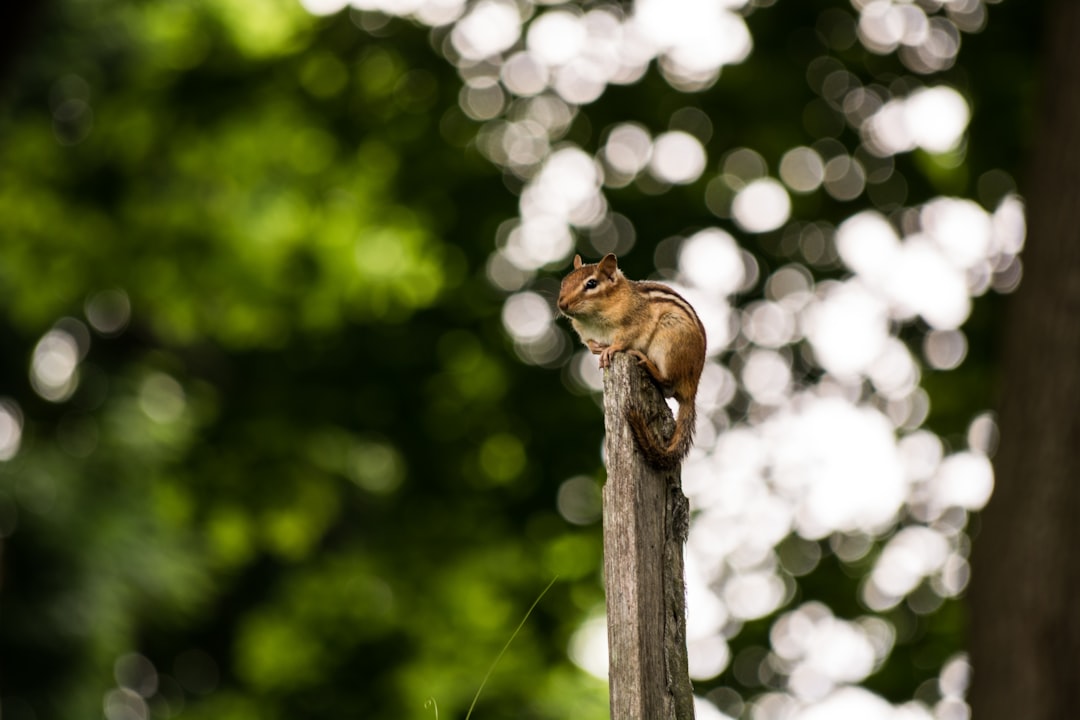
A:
(654, 324)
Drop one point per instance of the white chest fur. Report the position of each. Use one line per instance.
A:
(602, 333)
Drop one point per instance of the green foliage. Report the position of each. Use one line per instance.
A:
(279, 462)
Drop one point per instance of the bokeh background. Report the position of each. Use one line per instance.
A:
(289, 428)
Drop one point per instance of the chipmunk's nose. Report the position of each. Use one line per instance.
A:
(564, 305)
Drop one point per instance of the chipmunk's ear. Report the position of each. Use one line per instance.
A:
(609, 264)
(577, 261)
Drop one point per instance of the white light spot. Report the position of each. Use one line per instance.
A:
(11, 423)
(944, 349)
(916, 27)
(924, 282)
(912, 554)
(439, 12)
(840, 463)
(921, 453)
(823, 651)
(856, 703)
(881, 26)
(886, 132)
(706, 614)
(538, 241)
(1010, 226)
(677, 158)
(482, 98)
(579, 82)
(769, 324)
(845, 178)
(524, 143)
(761, 206)
(54, 365)
(937, 118)
(894, 372)
(847, 329)
(628, 148)
(712, 261)
(802, 169)
(868, 244)
(961, 229)
(983, 434)
(705, 710)
(526, 316)
(556, 37)
(955, 677)
(523, 75)
(696, 36)
(568, 188)
(717, 387)
(931, 118)
(965, 479)
(490, 27)
(324, 7)
(751, 595)
(586, 371)
(766, 375)
(790, 285)
(708, 656)
(589, 648)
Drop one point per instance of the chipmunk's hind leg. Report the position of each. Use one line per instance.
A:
(649, 366)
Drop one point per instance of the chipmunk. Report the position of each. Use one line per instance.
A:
(654, 324)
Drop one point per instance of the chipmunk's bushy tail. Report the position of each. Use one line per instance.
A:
(664, 456)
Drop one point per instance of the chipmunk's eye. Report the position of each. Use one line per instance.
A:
(590, 284)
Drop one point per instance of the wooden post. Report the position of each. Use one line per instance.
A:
(646, 519)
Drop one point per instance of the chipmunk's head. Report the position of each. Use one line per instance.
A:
(582, 289)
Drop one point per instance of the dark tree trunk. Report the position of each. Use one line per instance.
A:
(1025, 592)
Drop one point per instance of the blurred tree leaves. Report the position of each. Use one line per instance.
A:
(279, 463)
(285, 223)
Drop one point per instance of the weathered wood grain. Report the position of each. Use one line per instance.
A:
(646, 518)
